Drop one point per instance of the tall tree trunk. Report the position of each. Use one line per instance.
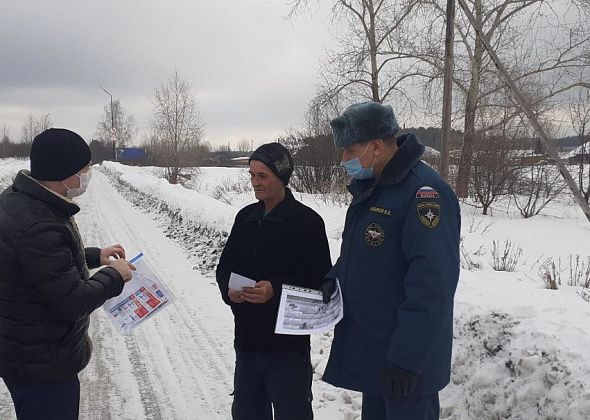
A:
(583, 153)
(470, 112)
(373, 53)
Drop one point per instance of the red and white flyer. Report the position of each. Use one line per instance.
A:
(141, 298)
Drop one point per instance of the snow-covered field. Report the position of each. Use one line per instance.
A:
(521, 351)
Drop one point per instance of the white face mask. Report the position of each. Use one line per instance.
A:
(84, 181)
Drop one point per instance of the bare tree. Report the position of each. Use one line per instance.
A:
(223, 148)
(391, 44)
(316, 163)
(120, 120)
(545, 42)
(32, 126)
(4, 141)
(324, 107)
(20, 149)
(364, 64)
(317, 160)
(28, 129)
(244, 146)
(580, 119)
(177, 126)
(493, 175)
(536, 187)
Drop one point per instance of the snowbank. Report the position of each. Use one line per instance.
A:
(186, 214)
(9, 168)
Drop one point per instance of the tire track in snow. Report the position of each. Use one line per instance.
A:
(173, 354)
(203, 330)
(100, 229)
(211, 356)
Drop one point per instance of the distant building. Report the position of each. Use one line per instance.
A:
(227, 158)
(100, 152)
(240, 161)
(128, 155)
(131, 155)
(579, 155)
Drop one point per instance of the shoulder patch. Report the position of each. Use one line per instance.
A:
(427, 192)
(429, 213)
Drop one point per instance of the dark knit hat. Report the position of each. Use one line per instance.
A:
(57, 154)
(277, 158)
(363, 122)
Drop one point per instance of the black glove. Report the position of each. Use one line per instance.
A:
(399, 382)
(328, 287)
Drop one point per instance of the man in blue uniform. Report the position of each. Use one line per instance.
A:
(398, 270)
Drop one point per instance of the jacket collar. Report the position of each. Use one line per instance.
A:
(28, 185)
(279, 213)
(409, 153)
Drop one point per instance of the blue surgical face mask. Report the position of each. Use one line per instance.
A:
(355, 169)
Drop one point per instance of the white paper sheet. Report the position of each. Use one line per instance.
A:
(238, 282)
(302, 311)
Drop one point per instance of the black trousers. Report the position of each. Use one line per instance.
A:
(272, 380)
(46, 400)
(377, 407)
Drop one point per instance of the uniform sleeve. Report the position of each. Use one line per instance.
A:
(92, 257)
(430, 243)
(227, 261)
(48, 262)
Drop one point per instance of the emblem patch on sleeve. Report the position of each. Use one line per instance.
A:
(426, 192)
(374, 234)
(429, 214)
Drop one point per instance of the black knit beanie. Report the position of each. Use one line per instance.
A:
(57, 154)
(277, 158)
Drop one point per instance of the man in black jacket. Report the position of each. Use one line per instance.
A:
(46, 293)
(275, 241)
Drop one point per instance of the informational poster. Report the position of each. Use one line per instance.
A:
(303, 312)
(142, 297)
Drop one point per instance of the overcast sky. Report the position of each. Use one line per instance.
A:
(253, 72)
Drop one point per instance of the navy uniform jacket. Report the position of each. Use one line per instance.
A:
(398, 270)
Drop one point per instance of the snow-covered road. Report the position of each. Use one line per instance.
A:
(175, 366)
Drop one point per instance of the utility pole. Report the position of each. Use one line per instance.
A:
(447, 91)
(113, 129)
(521, 100)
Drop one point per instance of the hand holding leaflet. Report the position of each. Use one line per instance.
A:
(142, 296)
(238, 282)
(303, 311)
